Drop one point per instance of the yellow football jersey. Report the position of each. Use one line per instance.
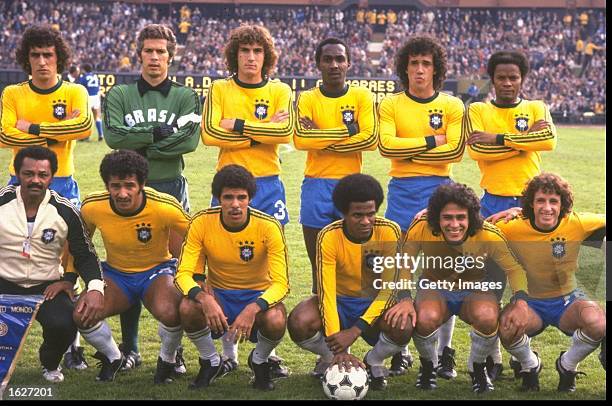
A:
(254, 144)
(506, 168)
(334, 148)
(138, 242)
(487, 244)
(344, 268)
(551, 257)
(254, 257)
(407, 127)
(47, 109)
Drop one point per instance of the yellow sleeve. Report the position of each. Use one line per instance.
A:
(315, 139)
(190, 256)
(326, 281)
(72, 129)
(545, 140)
(10, 136)
(279, 271)
(367, 137)
(504, 257)
(212, 133)
(274, 133)
(390, 145)
(591, 222)
(453, 150)
(484, 152)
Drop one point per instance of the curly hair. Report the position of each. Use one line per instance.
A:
(42, 36)
(460, 194)
(251, 34)
(422, 45)
(548, 183)
(37, 153)
(517, 58)
(156, 31)
(331, 41)
(235, 177)
(357, 187)
(123, 163)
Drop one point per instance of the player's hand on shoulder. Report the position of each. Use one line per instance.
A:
(420, 214)
(505, 215)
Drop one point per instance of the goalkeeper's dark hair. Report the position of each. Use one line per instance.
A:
(123, 163)
(234, 177)
(357, 188)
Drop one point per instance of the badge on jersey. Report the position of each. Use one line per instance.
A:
(261, 108)
(435, 119)
(48, 235)
(143, 232)
(521, 122)
(59, 109)
(370, 256)
(247, 251)
(348, 114)
(558, 247)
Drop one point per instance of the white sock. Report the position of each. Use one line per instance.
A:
(480, 348)
(496, 352)
(101, 338)
(427, 346)
(76, 343)
(273, 352)
(405, 351)
(521, 351)
(317, 345)
(170, 340)
(383, 349)
(263, 348)
(582, 346)
(445, 334)
(205, 345)
(230, 349)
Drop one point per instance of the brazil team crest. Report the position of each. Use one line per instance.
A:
(143, 232)
(348, 114)
(247, 251)
(261, 108)
(558, 247)
(370, 256)
(48, 235)
(59, 109)
(435, 119)
(521, 122)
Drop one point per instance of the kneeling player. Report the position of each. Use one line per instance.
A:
(246, 281)
(135, 222)
(454, 228)
(329, 323)
(547, 238)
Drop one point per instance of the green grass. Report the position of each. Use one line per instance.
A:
(579, 157)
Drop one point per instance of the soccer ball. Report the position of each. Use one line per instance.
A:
(344, 385)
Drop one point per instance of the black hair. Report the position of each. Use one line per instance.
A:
(357, 187)
(517, 58)
(123, 163)
(462, 196)
(37, 153)
(233, 176)
(331, 41)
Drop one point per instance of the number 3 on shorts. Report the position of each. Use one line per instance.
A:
(281, 210)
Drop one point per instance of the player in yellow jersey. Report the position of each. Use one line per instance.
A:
(246, 280)
(248, 116)
(421, 133)
(46, 110)
(135, 222)
(336, 122)
(547, 238)
(348, 303)
(506, 137)
(454, 234)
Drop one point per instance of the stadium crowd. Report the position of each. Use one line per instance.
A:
(104, 35)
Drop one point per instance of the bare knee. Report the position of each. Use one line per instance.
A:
(273, 323)
(485, 318)
(594, 321)
(428, 320)
(191, 316)
(302, 323)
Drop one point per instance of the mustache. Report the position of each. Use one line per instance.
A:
(35, 186)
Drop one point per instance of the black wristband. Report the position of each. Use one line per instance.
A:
(238, 126)
(403, 294)
(70, 277)
(34, 129)
(519, 295)
(499, 139)
(431, 141)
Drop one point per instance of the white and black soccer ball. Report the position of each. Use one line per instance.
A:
(345, 385)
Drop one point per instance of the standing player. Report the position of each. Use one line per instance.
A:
(90, 80)
(73, 74)
(454, 228)
(135, 223)
(45, 110)
(247, 279)
(336, 122)
(506, 138)
(159, 119)
(347, 305)
(547, 238)
(247, 116)
(421, 133)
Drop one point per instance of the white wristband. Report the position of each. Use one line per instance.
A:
(96, 284)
